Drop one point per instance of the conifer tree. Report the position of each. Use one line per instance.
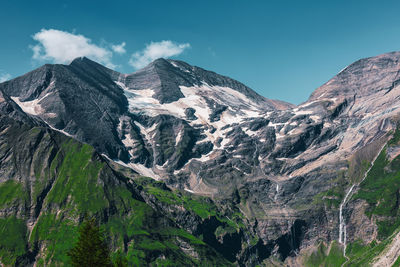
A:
(120, 260)
(90, 250)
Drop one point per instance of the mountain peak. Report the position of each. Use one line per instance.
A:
(160, 61)
(80, 59)
(169, 74)
(363, 77)
(85, 62)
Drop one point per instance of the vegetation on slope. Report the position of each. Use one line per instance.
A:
(204, 207)
(381, 191)
(67, 181)
(90, 249)
(223, 227)
(331, 256)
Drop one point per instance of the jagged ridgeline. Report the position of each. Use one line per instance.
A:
(235, 178)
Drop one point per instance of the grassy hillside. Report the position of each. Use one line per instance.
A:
(48, 185)
(380, 190)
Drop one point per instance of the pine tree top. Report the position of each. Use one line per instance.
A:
(90, 250)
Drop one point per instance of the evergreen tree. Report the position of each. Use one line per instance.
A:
(120, 260)
(90, 250)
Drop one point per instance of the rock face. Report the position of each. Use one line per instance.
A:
(212, 135)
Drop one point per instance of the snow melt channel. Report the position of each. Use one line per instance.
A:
(342, 222)
(276, 192)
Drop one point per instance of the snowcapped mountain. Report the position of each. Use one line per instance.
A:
(212, 135)
(132, 111)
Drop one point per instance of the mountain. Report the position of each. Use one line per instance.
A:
(50, 182)
(299, 182)
(192, 103)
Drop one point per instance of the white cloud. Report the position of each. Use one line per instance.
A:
(119, 49)
(62, 47)
(4, 77)
(156, 50)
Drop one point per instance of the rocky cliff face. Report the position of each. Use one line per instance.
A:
(286, 168)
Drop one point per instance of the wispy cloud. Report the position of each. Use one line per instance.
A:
(119, 49)
(156, 50)
(62, 47)
(4, 77)
(212, 52)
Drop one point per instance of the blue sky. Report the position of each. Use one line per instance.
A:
(282, 49)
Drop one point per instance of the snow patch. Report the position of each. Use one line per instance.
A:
(179, 67)
(178, 137)
(275, 124)
(276, 192)
(61, 131)
(127, 140)
(224, 142)
(303, 112)
(146, 132)
(174, 64)
(141, 169)
(188, 190)
(315, 118)
(195, 97)
(136, 167)
(203, 158)
(249, 132)
(31, 107)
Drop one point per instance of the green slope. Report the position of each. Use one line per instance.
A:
(49, 183)
(380, 190)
